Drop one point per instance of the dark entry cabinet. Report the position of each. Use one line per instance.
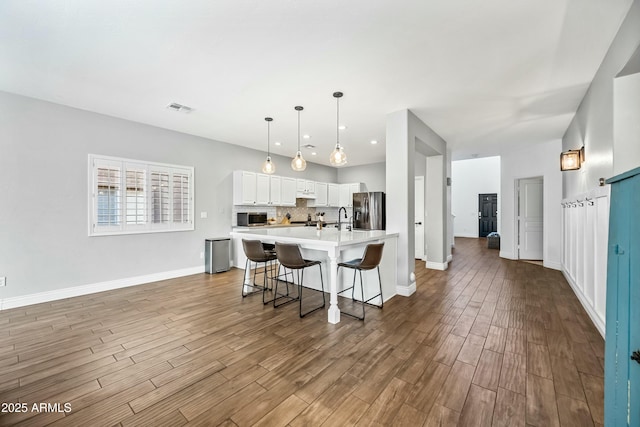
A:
(622, 342)
(487, 214)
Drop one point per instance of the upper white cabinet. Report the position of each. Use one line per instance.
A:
(244, 188)
(262, 189)
(306, 189)
(333, 195)
(346, 193)
(321, 199)
(275, 190)
(288, 193)
(250, 188)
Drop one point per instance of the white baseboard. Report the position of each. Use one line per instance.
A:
(599, 323)
(507, 255)
(437, 265)
(76, 291)
(471, 236)
(449, 258)
(406, 291)
(552, 265)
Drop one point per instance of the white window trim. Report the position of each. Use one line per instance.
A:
(148, 227)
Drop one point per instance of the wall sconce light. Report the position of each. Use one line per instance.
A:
(571, 160)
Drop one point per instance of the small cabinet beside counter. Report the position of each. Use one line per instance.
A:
(622, 342)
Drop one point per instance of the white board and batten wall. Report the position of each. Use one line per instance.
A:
(585, 229)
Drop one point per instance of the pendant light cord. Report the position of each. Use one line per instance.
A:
(268, 138)
(338, 121)
(298, 131)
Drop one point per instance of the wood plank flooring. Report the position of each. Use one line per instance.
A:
(488, 342)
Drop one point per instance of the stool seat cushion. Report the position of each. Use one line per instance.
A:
(354, 263)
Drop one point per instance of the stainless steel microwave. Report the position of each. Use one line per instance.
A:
(247, 219)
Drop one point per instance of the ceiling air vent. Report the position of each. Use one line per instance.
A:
(309, 146)
(179, 107)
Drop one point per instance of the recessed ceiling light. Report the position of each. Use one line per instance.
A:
(342, 127)
(278, 143)
(306, 136)
(374, 142)
(313, 153)
(309, 146)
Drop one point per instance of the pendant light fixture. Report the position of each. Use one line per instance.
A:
(298, 163)
(338, 156)
(268, 166)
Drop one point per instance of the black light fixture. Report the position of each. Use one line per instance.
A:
(298, 163)
(571, 160)
(268, 166)
(338, 156)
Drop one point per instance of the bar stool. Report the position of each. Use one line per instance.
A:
(258, 253)
(369, 261)
(289, 257)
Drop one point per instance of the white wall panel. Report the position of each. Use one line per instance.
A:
(584, 252)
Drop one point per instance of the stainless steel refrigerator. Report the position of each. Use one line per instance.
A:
(369, 211)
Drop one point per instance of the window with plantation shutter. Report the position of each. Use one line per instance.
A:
(160, 198)
(131, 196)
(108, 196)
(181, 209)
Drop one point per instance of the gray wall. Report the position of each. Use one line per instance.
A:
(43, 186)
(373, 175)
(593, 123)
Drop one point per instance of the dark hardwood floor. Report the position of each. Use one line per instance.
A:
(488, 342)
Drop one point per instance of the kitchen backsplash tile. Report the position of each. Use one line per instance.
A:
(298, 213)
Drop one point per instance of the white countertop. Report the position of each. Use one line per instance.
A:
(310, 235)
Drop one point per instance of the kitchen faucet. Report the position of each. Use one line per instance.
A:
(345, 217)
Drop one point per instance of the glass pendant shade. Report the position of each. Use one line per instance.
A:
(268, 166)
(298, 163)
(338, 156)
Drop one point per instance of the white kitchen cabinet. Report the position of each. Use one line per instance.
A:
(288, 194)
(306, 189)
(346, 193)
(262, 189)
(333, 195)
(275, 190)
(258, 189)
(321, 199)
(244, 188)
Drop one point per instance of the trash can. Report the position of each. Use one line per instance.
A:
(216, 255)
(493, 240)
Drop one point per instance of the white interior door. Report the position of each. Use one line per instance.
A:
(530, 218)
(419, 217)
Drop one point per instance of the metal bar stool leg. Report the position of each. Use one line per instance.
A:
(362, 293)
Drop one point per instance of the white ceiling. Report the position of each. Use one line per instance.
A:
(485, 75)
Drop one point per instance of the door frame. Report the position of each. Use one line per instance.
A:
(516, 215)
(423, 219)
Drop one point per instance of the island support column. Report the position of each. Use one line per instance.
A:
(334, 311)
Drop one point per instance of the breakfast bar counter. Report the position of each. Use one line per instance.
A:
(330, 246)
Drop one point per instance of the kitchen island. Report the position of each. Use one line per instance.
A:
(330, 246)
